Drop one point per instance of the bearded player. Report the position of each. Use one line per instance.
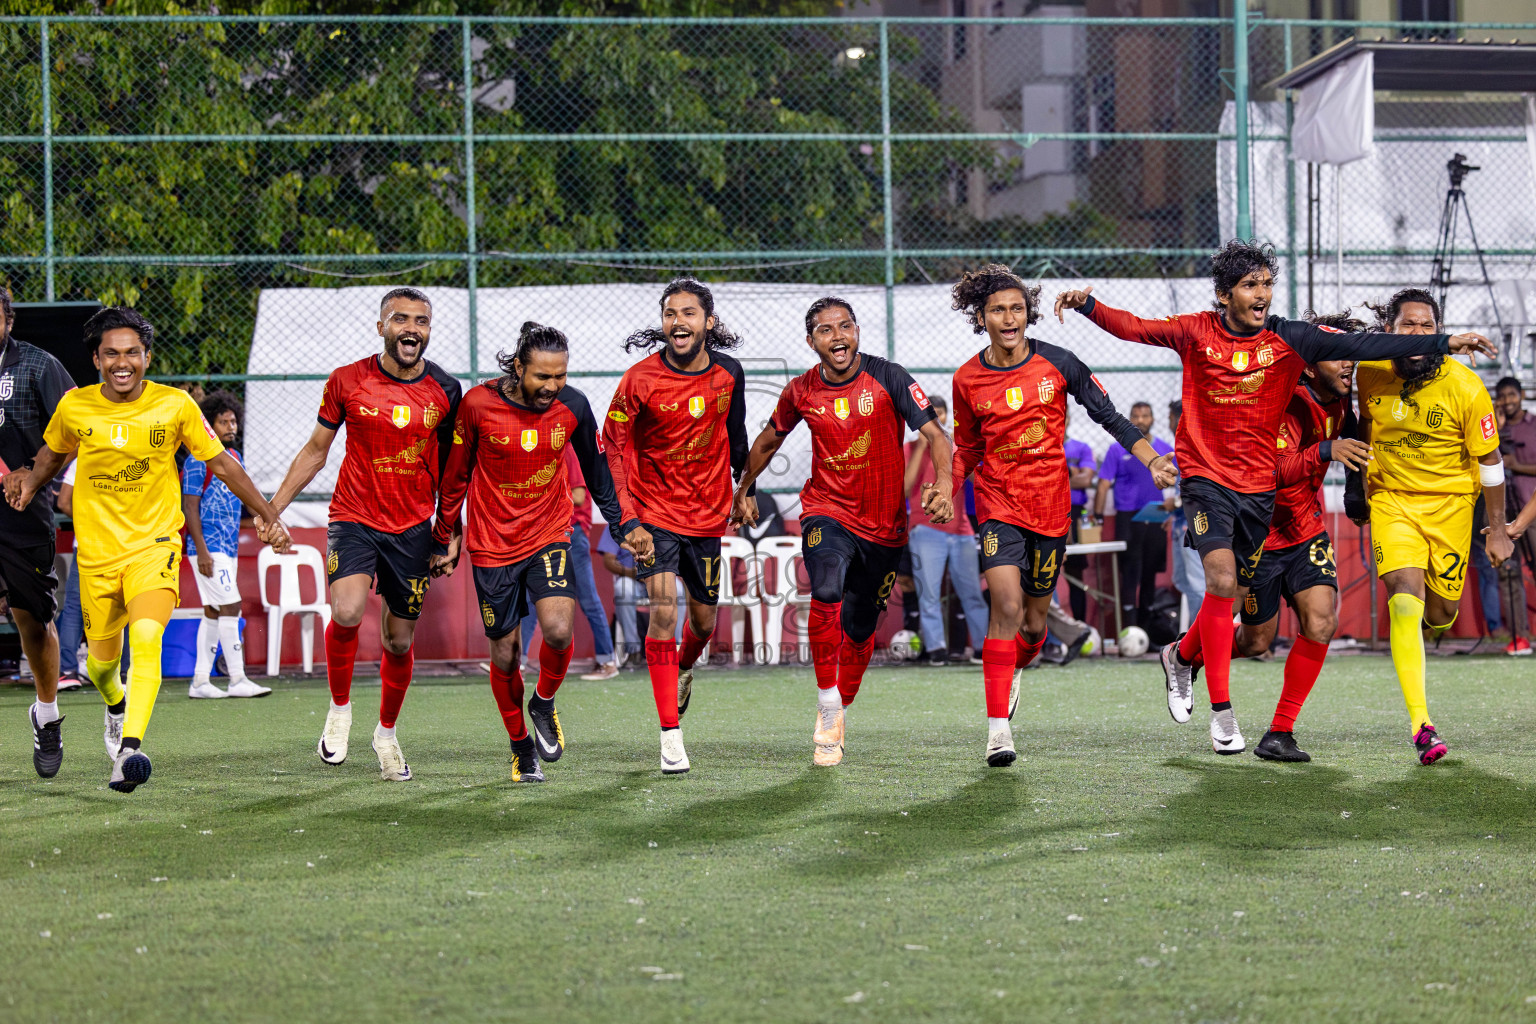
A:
(1298, 562)
(398, 407)
(124, 434)
(1436, 444)
(508, 457)
(1010, 429)
(676, 431)
(1241, 365)
(853, 509)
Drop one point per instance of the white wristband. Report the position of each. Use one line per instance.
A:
(1491, 476)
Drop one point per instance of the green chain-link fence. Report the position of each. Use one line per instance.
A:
(253, 185)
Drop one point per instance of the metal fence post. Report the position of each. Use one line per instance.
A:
(47, 164)
(471, 240)
(886, 186)
(1240, 90)
(1290, 188)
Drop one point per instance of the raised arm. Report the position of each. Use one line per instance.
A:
(1315, 343)
(1166, 333)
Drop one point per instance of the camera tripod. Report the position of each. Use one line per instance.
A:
(1445, 246)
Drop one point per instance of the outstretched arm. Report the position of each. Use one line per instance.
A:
(309, 461)
(938, 497)
(1165, 333)
(269, 525)
(21, 486)
(767, 445)
(1314, 343)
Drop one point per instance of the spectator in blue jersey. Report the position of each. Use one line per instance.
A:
(1146, 544)
(214, 515)
(1082, 467)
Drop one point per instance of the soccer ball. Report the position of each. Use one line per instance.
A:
(1133, 642)
(1092, 645)
(906, 645)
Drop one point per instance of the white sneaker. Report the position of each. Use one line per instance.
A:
(112, 734)
(1013, 692)
(1225, 739)
(246, 688)
(1000, 752)
(337, 732)
(1179, 679)
(392, 766)
(674, 759)
(205, 691)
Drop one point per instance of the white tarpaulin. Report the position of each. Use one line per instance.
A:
(1336, 114)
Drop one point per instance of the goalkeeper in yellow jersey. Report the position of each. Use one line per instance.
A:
(1435, 446)
(125, 432)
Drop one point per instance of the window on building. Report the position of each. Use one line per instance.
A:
(1425, 10)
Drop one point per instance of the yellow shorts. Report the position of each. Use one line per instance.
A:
(104, 594)
(1432, 532)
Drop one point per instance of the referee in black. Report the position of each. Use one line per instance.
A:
(31, 383)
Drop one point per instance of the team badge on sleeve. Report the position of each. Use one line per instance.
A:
(1488, 428)
(917, 395)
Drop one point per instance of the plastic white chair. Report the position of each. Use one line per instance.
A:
(289, 601)
(782, 552)
(739, 549)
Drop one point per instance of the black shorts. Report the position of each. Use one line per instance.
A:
(509, 592)
(695, 559)
(27, 578)
(1037, 557)
(1286, 572)
(398, 562)
(849, 570)
(1222, 518)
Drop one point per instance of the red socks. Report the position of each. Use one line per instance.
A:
(661, 657)
(853, 659)
(1025, 652)
(1302, 667)
(826, 632)
(340, 656)
(1215, 625)
(998, 658)
(507, 688)
(692, 646)
(552, 666)
(395, 677)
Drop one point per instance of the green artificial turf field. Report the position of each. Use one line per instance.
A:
(1119, 871)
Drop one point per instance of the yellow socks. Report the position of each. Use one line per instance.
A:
(144, 640)
(104, 676)
(1406, 613)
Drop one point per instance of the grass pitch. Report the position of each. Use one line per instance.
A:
(1119, 871)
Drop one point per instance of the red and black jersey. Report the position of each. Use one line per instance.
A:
(857, 462)
(675, 440)
(511, 460)
(1011, 428)
(1304, 449)
(397, 440)
(1236, 386)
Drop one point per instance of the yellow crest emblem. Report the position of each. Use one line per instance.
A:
(332, 562)
(1047, 389)
(557, 437)
(1239, 361)
(430, 415)
(840, 408)
(119, 435)
(400, 415)
(1201, 524)
(1399, 411)
(1015, 397)
(529, 440)
(866, 403)
(696, 406)
(487, 613)
(813, 538)
(1328, 427)
(989, 544)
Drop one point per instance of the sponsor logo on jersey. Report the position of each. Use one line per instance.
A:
(363, 410)
(664, 407)
(1235, 394)
(128, 474)
(1202, 523)
(617, 416)
(813, 538)
(430, 415)
(1032, 436)
(119, 435)
(1239, 361)
(1265, 355)
(855, 451)
(1488, 427)
(840, 408)
(557, 437)
(408, 456)
(7, 387)
(529, 439)
(696, 406)
(157, 435)
(1046, 389)
(866, 403)
(916, 391)
(400, 416)
(1015, 398)
(537, 482)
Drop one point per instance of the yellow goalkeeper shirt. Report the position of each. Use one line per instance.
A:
(1429, 443)
(127, 490)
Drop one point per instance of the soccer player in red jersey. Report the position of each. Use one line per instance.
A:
(1298, 562)
(399, 408)
(676, 432)
(853, 509)
(507, 457)
(1241, 365)
(1010, 403)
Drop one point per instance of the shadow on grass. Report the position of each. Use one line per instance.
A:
(1250, 806)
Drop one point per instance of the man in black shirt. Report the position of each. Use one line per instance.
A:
(31, 383)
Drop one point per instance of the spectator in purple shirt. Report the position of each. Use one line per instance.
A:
(1517, 441)
(1081, 469)
(1146, 544)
